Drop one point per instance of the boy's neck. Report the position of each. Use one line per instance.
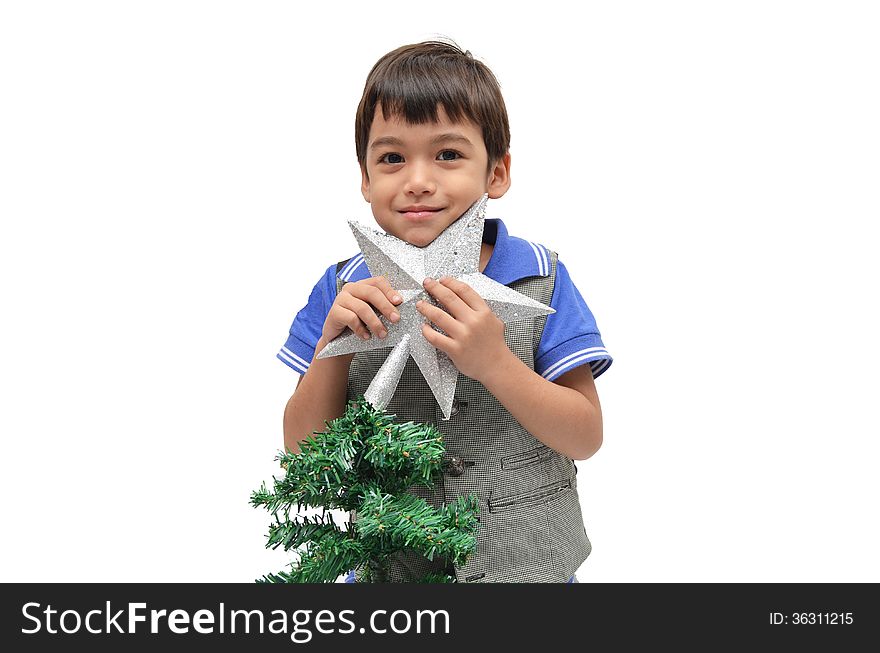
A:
(485, 254)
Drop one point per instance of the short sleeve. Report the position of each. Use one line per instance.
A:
(308, 324)
(570, 337)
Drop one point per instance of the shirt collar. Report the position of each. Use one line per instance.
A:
(512, 258)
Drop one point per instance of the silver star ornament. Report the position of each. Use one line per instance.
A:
(454, 253)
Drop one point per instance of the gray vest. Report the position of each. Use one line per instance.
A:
(531, 528)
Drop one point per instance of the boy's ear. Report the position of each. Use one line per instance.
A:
(499, 177)
(365, 184)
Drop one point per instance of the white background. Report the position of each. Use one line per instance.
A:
(174, 176)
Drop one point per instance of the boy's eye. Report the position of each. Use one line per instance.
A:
(448, 155)
(391, 157)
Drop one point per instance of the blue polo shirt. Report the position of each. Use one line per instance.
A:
(570, 337)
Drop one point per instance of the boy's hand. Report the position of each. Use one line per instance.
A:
(474, 337)
(354, 308)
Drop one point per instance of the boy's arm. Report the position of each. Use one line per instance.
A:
(565, 414)
(319, 397)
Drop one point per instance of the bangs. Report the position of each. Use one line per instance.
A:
(416, 98)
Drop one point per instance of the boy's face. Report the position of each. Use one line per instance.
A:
(419, 179)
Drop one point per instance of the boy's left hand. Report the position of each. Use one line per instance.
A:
(474, 337)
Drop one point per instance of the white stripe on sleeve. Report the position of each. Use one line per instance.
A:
(599, 366)
(295, 361)
(572, 359)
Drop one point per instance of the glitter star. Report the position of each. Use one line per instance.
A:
(454, 253)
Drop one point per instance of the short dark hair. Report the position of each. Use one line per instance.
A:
(413, 80)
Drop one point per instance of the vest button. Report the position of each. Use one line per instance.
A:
(455, 405)
(455, 466)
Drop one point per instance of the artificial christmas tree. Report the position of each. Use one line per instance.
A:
(364, 463)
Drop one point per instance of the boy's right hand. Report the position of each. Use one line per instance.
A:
(355, 307)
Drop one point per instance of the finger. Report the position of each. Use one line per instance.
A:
(438, 340)
(354, 323)
(467, 294)
(438, 316)
(384, 285)
(365, 313)
(347, 318)
(453, 303)
(375, 296)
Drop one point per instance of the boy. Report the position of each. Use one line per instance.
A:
(432, 137)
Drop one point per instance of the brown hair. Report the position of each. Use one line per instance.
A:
(413, 80)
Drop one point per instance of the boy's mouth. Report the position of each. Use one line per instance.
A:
(419, 212)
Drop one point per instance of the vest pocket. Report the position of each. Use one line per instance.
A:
(538, 495)
(528, 458)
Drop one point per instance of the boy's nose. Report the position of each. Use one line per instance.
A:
(420, 181)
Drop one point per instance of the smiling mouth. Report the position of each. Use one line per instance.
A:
(419, 213)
